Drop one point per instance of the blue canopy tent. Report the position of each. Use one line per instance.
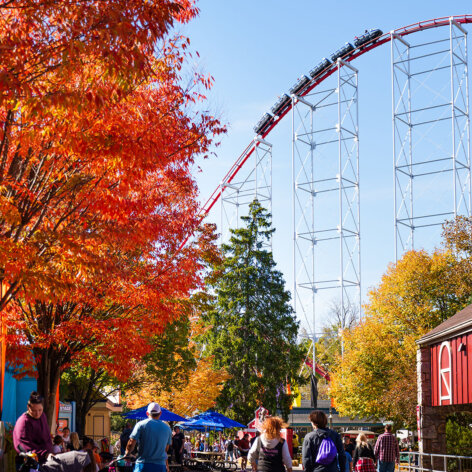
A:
(201, 424)
(224, 420)
(140, 414)
(212, 420)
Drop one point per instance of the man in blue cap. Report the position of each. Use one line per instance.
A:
(153, 438)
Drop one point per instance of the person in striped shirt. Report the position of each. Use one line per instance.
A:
(386, 451)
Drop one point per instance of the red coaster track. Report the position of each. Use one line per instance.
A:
(403, 31)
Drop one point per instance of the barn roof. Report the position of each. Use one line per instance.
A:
(454, 326)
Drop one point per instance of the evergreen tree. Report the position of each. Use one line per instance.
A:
(254, 330)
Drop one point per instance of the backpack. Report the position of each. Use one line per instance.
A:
(229, 446)
(327, 452)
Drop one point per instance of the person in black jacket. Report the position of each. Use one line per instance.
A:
(363, 449)
(312, 443)
(124, 438)
(349, 445)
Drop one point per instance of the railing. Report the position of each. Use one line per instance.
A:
(422, 461)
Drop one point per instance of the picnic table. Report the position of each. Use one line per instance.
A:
(211, 455)
(210, 461)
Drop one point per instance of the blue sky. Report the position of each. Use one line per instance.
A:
(255, 50)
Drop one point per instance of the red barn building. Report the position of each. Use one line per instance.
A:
(444, 378)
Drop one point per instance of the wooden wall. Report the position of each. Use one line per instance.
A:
(460, 376)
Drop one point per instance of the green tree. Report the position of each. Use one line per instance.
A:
(254, 331)
(459, 434)
(86, 387)
(170, 361)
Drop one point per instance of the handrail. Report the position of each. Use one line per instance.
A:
(431, 462)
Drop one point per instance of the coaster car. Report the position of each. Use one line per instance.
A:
(369, 36)
(320, 67)
(342, 51)
(264, 123)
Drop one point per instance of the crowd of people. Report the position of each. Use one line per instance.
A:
(32, 434)
(185, 446)
(154, 443)
(346, 455)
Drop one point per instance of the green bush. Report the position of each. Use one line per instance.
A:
(459, 434)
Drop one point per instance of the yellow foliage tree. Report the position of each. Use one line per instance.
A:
(197, 395)
(376, 377)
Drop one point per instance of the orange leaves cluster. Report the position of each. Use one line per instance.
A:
(197, 395)
(43, 42)
(97, 140)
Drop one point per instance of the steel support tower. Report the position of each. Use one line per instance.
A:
(326, 206)
(430, 107)
(253, 182)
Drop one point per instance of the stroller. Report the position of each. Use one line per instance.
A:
(74, 461)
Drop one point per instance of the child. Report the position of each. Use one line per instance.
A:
(187, 447)
(348, 458)
(58, 444)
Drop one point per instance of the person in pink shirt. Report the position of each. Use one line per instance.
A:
(32, 432)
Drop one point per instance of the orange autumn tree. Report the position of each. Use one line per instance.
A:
(96, 196)
(44, 42)
(197, 395)
(191, 391)
(61, 58)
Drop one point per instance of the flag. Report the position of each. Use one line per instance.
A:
(314, 391)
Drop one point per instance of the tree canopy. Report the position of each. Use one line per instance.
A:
(376, 377)
(253, 331)
(176, 374)
(98, 137)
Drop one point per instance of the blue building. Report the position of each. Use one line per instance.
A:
(16, 395)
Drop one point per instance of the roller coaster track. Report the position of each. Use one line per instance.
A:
(322, 76)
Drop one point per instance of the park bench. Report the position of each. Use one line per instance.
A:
(175, 468)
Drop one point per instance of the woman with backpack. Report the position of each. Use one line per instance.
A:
(229, 450)
(322, 448)
(269, 452)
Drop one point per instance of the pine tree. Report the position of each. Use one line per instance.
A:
(254, 330)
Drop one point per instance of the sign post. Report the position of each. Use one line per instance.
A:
(3, 349)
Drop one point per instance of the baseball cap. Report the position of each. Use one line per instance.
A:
(153, 408)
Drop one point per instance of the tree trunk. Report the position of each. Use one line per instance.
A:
(49, 372)
(80, 419)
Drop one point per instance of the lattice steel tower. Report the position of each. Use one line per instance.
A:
(254, 181)
(430, 105)
(326, 210)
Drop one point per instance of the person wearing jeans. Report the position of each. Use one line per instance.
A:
(229, 452)
(386, 451)
(153, 438)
